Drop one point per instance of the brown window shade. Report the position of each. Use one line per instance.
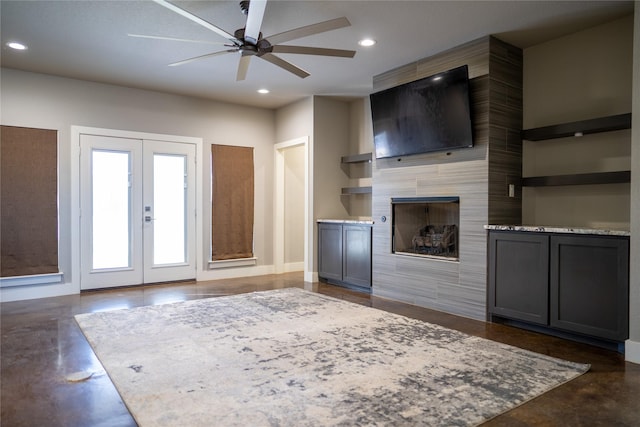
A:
(28, 201)
(232, 202)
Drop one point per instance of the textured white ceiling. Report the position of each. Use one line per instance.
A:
(88, 40)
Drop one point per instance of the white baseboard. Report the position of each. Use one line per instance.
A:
(19, 293)
(632, 351)
(31, 280)
(233, 263)
(293, 266)
(231, 273)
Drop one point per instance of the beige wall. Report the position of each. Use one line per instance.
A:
(295, 120)
(360, 141)
(580, 76)
(331, 142)
(294, 206)
(43, 101)
(327, 123)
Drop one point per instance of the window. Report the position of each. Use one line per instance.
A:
(232, 202)
(29, 208)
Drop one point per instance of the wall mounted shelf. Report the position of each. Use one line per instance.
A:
(357, 158)
(578, 179)
(354, 159)
(348, 191)
(584, 127)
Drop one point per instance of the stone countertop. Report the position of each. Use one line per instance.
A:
(348, 221)
(566, 230)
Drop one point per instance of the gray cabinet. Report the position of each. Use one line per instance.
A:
(330, 251)
(344, 253)
(589, 285)
(570, 283)
(519, 276)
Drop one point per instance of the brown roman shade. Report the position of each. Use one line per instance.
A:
(28, 201)
(232, 202)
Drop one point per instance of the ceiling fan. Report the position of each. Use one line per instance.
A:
(250, 42)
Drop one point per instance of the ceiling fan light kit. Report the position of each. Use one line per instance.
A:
(250, 42)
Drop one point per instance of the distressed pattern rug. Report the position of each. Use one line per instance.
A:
(291, 357)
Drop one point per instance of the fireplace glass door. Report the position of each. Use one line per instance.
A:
(426, 226)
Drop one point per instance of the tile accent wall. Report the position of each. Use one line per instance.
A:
(478, 175)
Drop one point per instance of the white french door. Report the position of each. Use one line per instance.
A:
(137, 201)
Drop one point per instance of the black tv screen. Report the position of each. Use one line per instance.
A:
(430, 114)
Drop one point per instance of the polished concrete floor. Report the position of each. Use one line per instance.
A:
(42, 350)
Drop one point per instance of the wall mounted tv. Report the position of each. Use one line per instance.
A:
(430, 114)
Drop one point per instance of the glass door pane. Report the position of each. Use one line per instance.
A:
(111, 208)
(169, 209)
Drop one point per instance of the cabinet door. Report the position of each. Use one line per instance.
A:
(356, 261)
(589, 285)
(330, 251)
(519, 276)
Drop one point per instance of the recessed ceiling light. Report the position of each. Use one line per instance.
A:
(367, 42)
(16, 46)
(263, 90)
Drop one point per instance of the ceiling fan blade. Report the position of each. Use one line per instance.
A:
(209, 55)
(254, 20)
(243, 66)
(308, 30)
(306, 50)
(195, 19)
(175, 39)
(269, 57)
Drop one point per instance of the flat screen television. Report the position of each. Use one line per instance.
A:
(430, 114)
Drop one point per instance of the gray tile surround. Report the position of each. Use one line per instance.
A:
(478, 175)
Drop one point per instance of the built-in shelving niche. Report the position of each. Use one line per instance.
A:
(579, 128)
(352, 159)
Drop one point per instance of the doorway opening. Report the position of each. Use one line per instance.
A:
(291, 221)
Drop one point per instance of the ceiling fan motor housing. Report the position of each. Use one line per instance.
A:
(244, 6)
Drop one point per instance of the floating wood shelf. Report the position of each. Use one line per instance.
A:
(347, 191)
(584, 127)
(356, 158)
(578, 179)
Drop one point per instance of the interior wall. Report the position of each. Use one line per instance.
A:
(331, 141)
(581, 76)
(43, 101)
(359, 174)
(295, 121)
(331, 124)
(294, 207)
(632, 348)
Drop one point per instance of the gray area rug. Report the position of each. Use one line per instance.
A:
(295, 358)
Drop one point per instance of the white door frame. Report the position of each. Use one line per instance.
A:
(76, 131)
(279, 204)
